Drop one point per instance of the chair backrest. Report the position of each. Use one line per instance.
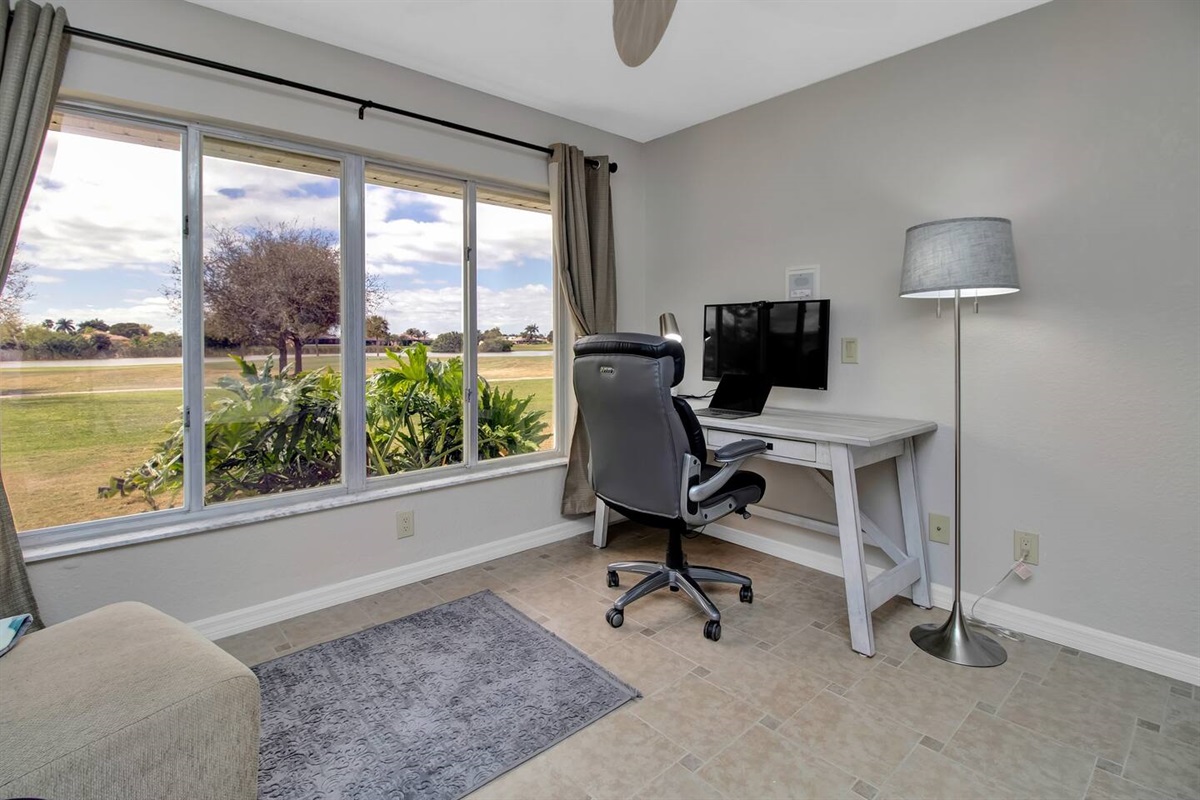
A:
(638, 442)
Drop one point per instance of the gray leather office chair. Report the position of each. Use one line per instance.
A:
(649, 462)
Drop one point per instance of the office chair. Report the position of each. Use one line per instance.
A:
(649, 462)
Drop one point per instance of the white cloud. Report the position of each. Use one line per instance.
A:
(440, 310)
(153, 311)
(43, 278)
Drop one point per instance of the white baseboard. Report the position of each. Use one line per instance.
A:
(1113, 646)
(246, 619)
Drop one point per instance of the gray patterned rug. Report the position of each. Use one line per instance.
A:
(430, 706)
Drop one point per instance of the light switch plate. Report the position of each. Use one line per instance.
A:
(939, 528)
(849, 351)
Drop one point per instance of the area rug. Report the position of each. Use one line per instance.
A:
(430, 706)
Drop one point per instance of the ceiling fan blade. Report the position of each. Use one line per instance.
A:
(638, 27)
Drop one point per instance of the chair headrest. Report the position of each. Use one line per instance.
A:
(633, 344)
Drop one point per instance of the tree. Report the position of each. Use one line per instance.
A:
(64, 325)
(48, 324)
(16, 293)
(377, 328)
(94, 324)
(550, 336)
(102, 341)
(530, 333)
(130, 330)
(451, 342)
(415, 334)
(276, 285)
(493, 341)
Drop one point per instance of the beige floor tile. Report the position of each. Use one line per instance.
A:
(826, 655)
(464, 582)
(536, 779)
(851, 736)
(523, 570)
(643, 663)
(1032, 655)
(925, 706)
(1164, 764)
(735, 649)
(774, 685)
(256, 646)
(615, 757)
(587, 629)
(678, 783)
(563, 597)
(1073, 719)
(1183, 719)
(764, 765)
(1134, 690)
(1106, 786)
(809, 603)
(399, 602)
(324, 625)
(697, 715)
(768, 618)
(926, 775)
(990, 685)
(1020, 758)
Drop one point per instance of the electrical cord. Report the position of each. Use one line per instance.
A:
(996, 629)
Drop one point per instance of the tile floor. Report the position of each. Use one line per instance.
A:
(782, 708)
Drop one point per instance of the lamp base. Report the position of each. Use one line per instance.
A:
(953, 642)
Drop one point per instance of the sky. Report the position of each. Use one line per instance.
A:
(102, 226)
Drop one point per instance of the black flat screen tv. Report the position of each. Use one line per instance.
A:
(787, 342)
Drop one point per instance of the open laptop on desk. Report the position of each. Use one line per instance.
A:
(738, 396)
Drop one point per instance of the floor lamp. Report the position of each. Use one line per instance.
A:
(956, 258)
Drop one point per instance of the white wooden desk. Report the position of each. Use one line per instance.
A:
(840, 443)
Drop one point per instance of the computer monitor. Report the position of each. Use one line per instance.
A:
(787, 342)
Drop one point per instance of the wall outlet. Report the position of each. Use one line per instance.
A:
(1025, 544)
(405, 524)
(939, 528)
(849, 351)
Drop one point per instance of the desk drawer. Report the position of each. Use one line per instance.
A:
(783, 449)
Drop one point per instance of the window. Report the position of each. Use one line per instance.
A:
(90, 371)
(201, 322)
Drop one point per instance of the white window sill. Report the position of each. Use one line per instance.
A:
(59, 543)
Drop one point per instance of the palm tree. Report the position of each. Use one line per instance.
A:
(48, 324)
(64, 325)
(530, 332)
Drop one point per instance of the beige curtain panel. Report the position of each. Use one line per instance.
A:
(32, 54)
(585, 261)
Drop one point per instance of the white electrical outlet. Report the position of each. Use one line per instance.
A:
(405, 524)
(1025, 547)
(939, 528)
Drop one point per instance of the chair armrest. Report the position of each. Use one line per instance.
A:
(740, 450)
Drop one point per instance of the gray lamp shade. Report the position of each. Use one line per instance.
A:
(973, 255)
(668, 328)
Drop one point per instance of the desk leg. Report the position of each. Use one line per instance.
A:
(910, 510)
(600, 533)
(854, 566)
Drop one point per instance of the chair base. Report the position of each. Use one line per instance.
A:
(676, 575)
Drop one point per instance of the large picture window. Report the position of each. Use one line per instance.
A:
(200, 321)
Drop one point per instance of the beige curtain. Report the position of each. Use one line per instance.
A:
(585, 260)
(32, 54)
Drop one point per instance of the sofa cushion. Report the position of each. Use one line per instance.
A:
(129, 683)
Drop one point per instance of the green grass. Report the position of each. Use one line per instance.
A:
(58, 450)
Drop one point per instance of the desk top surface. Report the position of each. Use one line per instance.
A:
(821, 426)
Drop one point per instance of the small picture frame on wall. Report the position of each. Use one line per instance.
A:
(804, 283)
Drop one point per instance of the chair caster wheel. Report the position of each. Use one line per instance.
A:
(746, 595)
(615, 617)
(614, 579)
(712, 630)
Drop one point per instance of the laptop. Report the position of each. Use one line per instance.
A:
(738, 396)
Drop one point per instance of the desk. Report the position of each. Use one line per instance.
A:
(840, 443)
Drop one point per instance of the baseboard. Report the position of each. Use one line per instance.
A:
(246, 619)
(1122, 649)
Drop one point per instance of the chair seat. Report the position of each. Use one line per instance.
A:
(745, 487)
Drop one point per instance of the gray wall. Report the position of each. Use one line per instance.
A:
(1081, 418)
(198, 576)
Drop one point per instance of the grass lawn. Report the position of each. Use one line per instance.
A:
(58, 450)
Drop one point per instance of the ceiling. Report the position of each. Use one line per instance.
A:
(717, 55)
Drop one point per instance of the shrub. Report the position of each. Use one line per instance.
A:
(451, 342)
(277, 432)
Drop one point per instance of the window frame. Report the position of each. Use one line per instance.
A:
(354, 487)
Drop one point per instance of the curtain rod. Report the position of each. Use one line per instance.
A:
(362, 103)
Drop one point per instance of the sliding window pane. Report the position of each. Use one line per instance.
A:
(272, 288)
(90, 353)
(414, 324)
(515, 307)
